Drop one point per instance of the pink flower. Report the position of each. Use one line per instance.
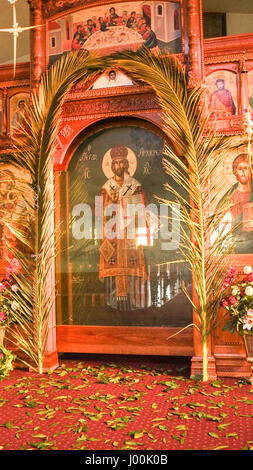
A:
(232, 300)
(2, 316)
(249, 278)
(2, 286)
(14, 266)
(224, 303)
(1, 356)
(229, 277)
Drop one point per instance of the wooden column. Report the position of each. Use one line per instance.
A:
(4, 116)
(63, 276)
(244, 88)
(194, 41)
(37, 44)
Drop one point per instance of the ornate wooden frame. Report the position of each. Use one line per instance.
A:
(9, 87)
(134, 106)
(13, 92)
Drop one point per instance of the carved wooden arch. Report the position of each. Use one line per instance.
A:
(106, 123)
(106, 339)
(220, 68)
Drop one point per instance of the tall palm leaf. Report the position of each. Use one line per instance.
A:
(33, 149)
(194, 168)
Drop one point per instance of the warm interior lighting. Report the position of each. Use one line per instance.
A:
(15, 31)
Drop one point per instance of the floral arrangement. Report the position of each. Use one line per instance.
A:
(7, 286)
(6, 362)
(239, 301)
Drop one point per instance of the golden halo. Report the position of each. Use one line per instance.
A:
(107, 162)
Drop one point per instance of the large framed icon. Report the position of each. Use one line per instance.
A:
(123, 267)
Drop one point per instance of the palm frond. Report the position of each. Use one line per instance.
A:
(193, 169)
(34, 147)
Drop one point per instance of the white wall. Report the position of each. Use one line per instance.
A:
(239, 23)
(231, 6)
(6, 39)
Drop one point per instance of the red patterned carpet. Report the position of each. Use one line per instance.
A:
(120, 403)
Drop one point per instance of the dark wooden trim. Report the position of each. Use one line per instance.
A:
(124, 340)
(235, 46)
(22, 74)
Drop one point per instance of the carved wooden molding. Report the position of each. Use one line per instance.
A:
(236, 43)
(35, 4)
(5, 144)
(51, 7)
(22, 74)
(15, 84)
(107, 107)
(221, 59)
(228, 132)
(195, 42)
(54, 7)
(80, 91)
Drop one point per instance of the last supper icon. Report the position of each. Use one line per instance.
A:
(121, 26)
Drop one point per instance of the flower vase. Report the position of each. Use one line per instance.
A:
(2, 335)
(248, 343)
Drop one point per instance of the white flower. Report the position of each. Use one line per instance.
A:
(14, 288)
(247, 269)
(235, 290)
(250, 313)
(14, 305)
(248, 320)
(248, 324)
(249, 291)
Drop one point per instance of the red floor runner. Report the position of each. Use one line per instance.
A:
(117, 403)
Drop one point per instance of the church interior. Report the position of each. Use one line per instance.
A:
(85, 86)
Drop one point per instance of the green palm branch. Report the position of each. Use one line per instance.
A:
(205, 240)
(33, 149)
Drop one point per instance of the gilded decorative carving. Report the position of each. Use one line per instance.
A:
(50, 7)
(221, 59)
(195, 46)
(37, 42)
(66, 131)
(106, 106)
(34, 4)
(5, 144)
(14, 84)
(80, 91)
